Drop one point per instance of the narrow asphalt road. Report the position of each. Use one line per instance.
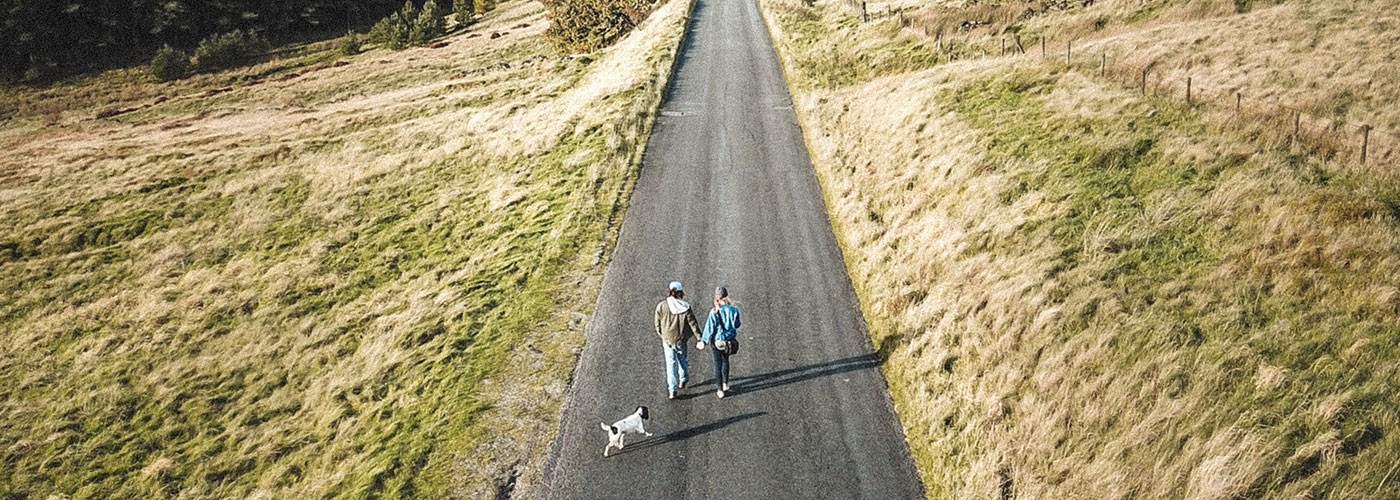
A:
(727, 196)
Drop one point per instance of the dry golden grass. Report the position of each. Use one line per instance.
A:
(1275, 59)
(315, 276)
(1083, 292)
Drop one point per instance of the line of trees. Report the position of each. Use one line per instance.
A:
(41, 40)
(44, 39)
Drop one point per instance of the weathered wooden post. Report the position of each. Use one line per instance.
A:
(1068, 45)
(864, 15)
(1103, 65)
(1238, 98)
(1144, 81)
(1365, 141)
(1042, 48)
(1188, 91)
(1297, 125)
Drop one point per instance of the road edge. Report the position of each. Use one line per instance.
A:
(665, 83)
(802, 119)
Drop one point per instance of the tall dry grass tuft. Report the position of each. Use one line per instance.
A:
(315, 276)
(1080, 291)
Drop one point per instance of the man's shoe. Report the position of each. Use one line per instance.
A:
(726, 386)
(673, 395)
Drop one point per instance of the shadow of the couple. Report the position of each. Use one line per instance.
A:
(754, 383)
(688, 433)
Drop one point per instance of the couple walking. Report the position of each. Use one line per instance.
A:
(675, 324)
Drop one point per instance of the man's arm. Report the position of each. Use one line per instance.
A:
(690, 318)
(656, 319)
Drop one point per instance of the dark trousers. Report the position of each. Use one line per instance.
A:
(721, 366)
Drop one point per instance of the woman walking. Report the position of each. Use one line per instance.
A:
(675, 324)
(722, 333)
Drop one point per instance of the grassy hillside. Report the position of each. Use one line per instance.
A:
(1082, 291)
(322, 275)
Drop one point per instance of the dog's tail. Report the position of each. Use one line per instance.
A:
(609, 428)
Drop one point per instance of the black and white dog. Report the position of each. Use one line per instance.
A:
(617, 432)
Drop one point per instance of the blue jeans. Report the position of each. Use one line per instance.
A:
(676, 365)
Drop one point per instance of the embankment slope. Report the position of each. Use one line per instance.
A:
(322, 275)
(1081, 291)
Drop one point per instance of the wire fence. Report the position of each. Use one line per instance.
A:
(1271, 123)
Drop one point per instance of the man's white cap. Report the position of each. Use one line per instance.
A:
(676, 285)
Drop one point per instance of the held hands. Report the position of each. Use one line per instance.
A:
(699, 345)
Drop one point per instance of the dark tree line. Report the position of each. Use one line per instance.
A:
(44, 39)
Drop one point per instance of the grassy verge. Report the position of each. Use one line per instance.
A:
(316, 276)
(1081, 292)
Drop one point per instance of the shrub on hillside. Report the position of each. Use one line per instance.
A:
(390, 32)
(428, 25)
(229, 50)
(170, 64)
(409, 26)
(352, 44)
(483, 6)
(463, 10)
(586, 25)
(467, 10)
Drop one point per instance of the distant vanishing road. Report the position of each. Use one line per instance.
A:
(727, 195)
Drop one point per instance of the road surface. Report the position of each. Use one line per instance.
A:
(727, 196)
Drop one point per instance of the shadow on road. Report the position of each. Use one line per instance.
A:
(684, 434)
(753, 383)
(687, 51)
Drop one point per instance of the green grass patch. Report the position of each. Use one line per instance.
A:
(823, 57)
(1191, 279)
(1102, 174)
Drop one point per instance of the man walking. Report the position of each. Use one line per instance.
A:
(675, 324)
(722, 333)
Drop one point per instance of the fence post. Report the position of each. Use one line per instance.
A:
(1003, 46)
(1068, 46)
(1297, 124)
(864, 16)
(1103, 64)
(1188, 91)
(1365, 141)
(1042, 48)
(1238, 97)
(1144, 81)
